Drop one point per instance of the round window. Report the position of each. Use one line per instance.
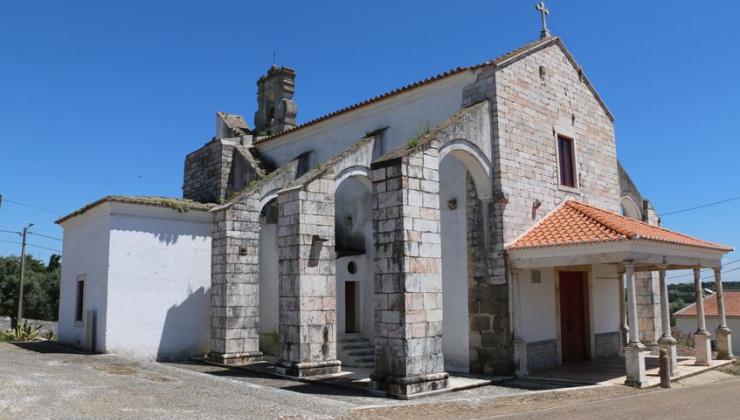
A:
(352, 267)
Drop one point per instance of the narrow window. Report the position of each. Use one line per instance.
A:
(566, 153)
(80, 300)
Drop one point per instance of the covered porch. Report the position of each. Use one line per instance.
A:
(588, 258)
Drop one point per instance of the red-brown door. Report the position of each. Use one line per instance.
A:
(573, 315)
(350, 321)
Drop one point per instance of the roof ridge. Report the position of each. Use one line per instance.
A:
(631, 233)
(413, 85)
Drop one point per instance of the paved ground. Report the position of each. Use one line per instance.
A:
(49, 381)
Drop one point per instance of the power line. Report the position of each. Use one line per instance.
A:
(29, 205)
(45, 236)
(10, 231)
(43, 247)
(35, 246)
(692, 274)
(701, 206)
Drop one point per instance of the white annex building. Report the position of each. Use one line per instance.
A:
(475, 221)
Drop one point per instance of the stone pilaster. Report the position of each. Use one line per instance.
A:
(724, 334)
(702, 344)
(235, 285)
(307, 332)
(648, 308)
(407, 278)
(667, 341)
(634, 355)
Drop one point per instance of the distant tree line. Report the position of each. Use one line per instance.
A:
(40, 287)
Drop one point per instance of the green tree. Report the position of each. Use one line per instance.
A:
(40, 287)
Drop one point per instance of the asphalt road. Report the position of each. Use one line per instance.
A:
(713, 401)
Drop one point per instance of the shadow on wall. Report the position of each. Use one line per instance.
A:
(186, 328)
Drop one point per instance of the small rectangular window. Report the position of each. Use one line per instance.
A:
(566, 154)
(79, 303)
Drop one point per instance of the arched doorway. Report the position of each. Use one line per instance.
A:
(269, 279)
(354, 271)
(463, 182)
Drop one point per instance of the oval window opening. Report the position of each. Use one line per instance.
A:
(352, 267)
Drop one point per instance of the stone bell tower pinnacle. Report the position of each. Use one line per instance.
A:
(276, 109)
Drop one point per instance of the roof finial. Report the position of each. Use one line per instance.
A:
(274, 58)
(544, 33)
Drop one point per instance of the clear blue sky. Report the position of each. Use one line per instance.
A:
(101, 98)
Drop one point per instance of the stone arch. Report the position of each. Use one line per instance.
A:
(630, 208)
(354, 246)
(475, 161)
(269, 280)
(358, 172)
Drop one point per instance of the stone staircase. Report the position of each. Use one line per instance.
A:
(356, 351)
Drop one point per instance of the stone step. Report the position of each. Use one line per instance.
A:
(361, 353)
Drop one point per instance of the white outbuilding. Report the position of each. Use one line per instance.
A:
(136, 277)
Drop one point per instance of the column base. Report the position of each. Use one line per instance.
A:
(520, 357)
(304, 369)
(234, 359)
(406, 387)
(634, 360)
(702, 348)
(724, 343)
(669, 344)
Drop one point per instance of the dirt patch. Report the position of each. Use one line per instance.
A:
(732, 369)
(470, 409)
(118, 369)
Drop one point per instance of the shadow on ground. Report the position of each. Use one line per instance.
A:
(46, 347)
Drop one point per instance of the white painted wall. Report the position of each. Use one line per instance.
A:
(159, 282)
(604, 299)
(269, 280)
(148, 270)
(405, 115)
(365, 300)
(687, 325)
(455, 321)
(538, 317)
(85, 250)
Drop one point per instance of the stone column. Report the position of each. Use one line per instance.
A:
(520, 345)
(667, 341)
(307, 330)
(724, 334)
(634, 355)
(235, 285)
(702, 345)
(407, 277)
(623, 327)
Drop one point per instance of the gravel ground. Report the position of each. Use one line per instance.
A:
(45, 380)
(50, 381)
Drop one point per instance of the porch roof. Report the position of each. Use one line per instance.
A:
(577, 233)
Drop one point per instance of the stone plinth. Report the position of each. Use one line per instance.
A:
(634, 355)
(724, 343)
(702, 348)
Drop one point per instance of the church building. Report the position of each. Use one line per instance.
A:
(476, 221)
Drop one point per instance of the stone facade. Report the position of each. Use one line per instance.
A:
(218, 169)
(506, 136)
(408, 281)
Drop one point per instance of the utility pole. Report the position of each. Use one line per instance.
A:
(23, 272)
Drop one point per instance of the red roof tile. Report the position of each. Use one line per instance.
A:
(575, 223)
(732, 305)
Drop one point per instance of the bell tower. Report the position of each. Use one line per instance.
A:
(276, 110)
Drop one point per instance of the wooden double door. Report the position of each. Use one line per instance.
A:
(574, 315)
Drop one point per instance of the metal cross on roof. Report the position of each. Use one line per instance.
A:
(544, 33)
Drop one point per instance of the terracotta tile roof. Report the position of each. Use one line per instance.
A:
(173, 203)
(732, 305)
(575, 223)
(497, 61)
